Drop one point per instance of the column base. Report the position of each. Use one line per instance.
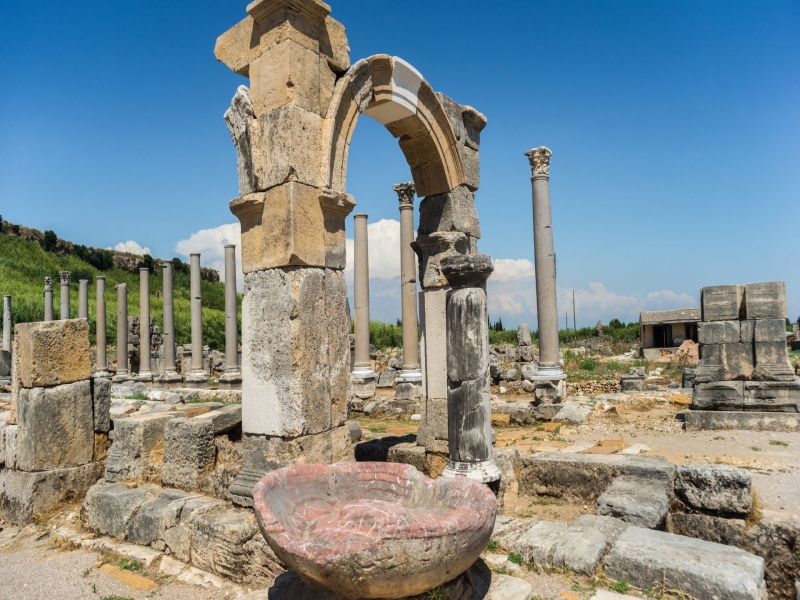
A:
(102, 374)
(197, 380)
(363, 373)
(145, 377)
(549, 373)
(409, 376)
(485, 472)
(231, 380)
(121, 377)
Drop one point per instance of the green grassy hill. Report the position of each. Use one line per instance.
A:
(24, 265)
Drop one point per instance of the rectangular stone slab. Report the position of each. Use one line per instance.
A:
(745, 420)
(721, 302)
(52, 353)
(720, 395)
(765, 300)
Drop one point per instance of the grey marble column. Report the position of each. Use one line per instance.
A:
(197, 374)
(83, 298)
(102, 356)
(469, 397)
(48, 298)
(233, 374)
(363, 365)
(411, 372)
(122, 333)
(63, 276)
(7, 323)
(545, 262)
(171, 374)
(145, 372)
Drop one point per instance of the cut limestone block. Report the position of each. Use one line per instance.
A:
(721, 302)
(101, 401)
(719, 332)
(651, 559)
(719, 395)
(109, 508)
(156, 516)
(778, 396)
(138, 441)
(765, 300)
(610, 527)
(769, 331)
(579, 549)
(635, 500)
(507, 530)
(52, 353)
(717, 488)
(25, 496)
(189, 452)
(772, 362)
(224, 419)
(745, 420)
(5, 364)
(55, 427)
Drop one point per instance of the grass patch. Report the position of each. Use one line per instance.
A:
(137, 396)
(515, 558)
(379, 428)
(778, 443)
(436, 594)
(621, 587)
(130, 564)
(755, 448)
(491, 546)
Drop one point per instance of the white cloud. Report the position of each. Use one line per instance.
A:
(508, 269)
(131, 247)
(210, 244)
(384, 250)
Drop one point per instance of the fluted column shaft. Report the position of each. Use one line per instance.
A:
(169, 321)
(64, 278)
(48, 299)
(102, 357)
(122, 329)
(7, 323)
(231, 313)
(144, 322)
(545, 263)
(197, 315)
(362, 365)
(408, 275)
(83, 298)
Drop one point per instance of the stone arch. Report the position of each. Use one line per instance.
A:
(395, 94)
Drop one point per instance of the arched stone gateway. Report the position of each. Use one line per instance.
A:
(292, 130)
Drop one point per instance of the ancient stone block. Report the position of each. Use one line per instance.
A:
(25, 496)
(137, 443)
(716, 488)
(297, 383)
(548, 544)
(55, 427)
(721, 302)
(523, 334)
(246, 134)
(779, 396)
(720, 530)
(719, 332)
(452, 211)
(286, 74)
(748, 420)
(386, 378)
(218, 537)
(110, 508)
(719, 395)
(178, 537)
(156, 516)
(772, 361)
(52, 353)
(649, 559)
(635, 500)
(101, 404)
(9, 448)
(5, 363)
(471, 163)
(769, 331)
(631, 384)
(189, 452)
(739, 361)
(765, 301)
(224, 419)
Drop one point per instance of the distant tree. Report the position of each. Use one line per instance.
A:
(102, 260)
(149, 263)
(179, 266)
(616, 324)
(15, 229)
(499, 325)
(50, 241)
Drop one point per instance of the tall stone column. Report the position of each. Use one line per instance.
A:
(363, 365)
(7, 323)
(549, 368)
(411, 372)
(48, 298)
(64, 278)
(233, 374)
(171, 377)
(145, 372)
(469, 397)
(122, 373)
(102, 356)
(83, 298)
(197, 376)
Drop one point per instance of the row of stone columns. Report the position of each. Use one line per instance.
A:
(197, 374)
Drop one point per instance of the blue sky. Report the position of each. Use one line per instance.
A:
(675, 130)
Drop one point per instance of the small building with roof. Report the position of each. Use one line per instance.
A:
(661, 330)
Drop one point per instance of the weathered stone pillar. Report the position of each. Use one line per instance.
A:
(102, 356)
(411, 372)
(122, 333)
(197, 376)
(233, 374)
(48, 298)
(545, 261)
(64, 278)
(83, 298)
(469, 397)
(363, 365)
(145, 372)
(171, 375)
(7, 323)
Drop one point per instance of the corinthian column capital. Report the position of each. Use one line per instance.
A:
(540, 160)
(64, 277)
(405, 194)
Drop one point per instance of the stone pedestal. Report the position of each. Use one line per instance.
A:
(101, 365)
(122, 373)
(63, 277)
(48, 299)
(171, 377)
(469, 398)
(411, 373)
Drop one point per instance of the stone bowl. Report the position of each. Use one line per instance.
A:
(374, 530)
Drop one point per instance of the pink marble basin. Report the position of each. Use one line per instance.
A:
(374, 530)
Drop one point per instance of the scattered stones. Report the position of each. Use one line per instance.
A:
(573, 413)
(716, 488)
(635, 500)
(110, 508)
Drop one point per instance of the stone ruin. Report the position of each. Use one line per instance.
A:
(744, 378)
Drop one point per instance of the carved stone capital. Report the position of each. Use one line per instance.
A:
(336, 203)
(540, 160)
(64, 276)
(48, 284)
(405, 194)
